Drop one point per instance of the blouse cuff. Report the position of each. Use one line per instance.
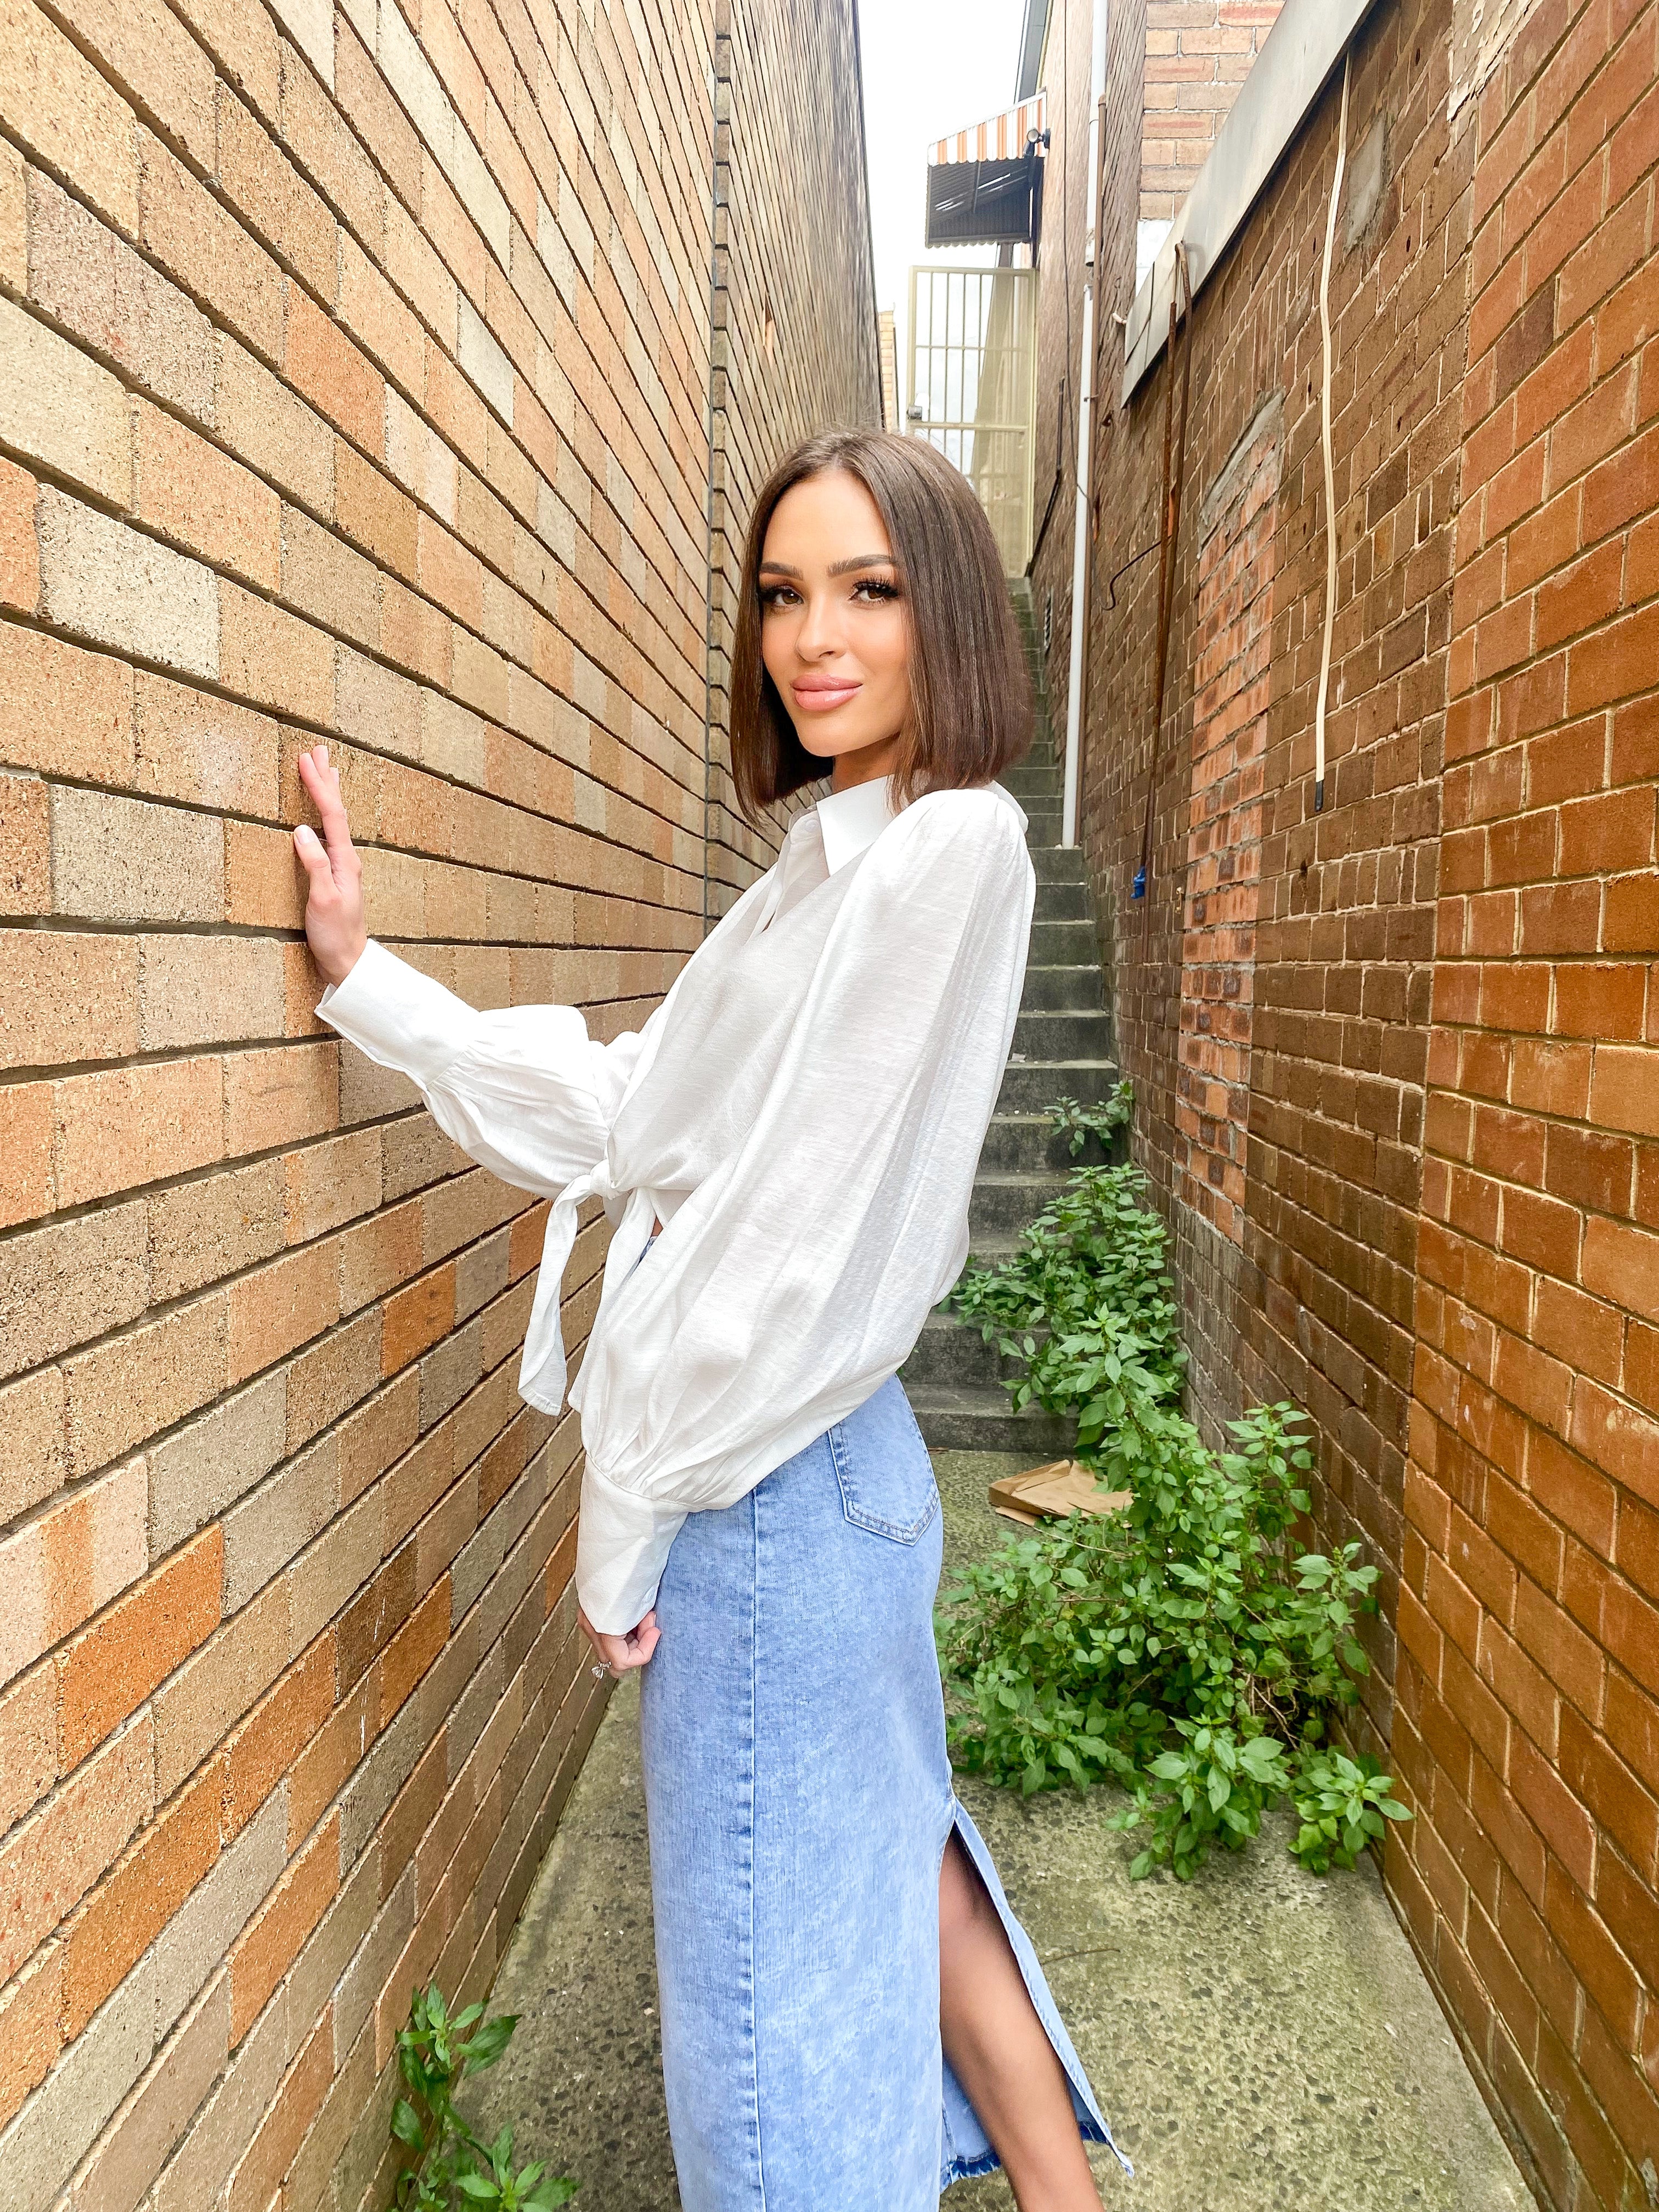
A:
(623, 1543)
(399, 1017)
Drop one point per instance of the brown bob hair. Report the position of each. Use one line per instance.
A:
(970, 692)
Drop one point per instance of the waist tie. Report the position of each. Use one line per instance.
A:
(542, 1370)
(543, 1374)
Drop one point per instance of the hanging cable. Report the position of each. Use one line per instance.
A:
(1134, 562)
(1324, 440)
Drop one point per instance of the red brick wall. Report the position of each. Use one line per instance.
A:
(1530, 1621)
(1313, 1298)
(1237, 545)
(1448, 1247)
(1198, 54)
(356, 375)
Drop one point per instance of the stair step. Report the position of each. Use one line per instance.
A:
(1043, 1035)
(952, 1351)
(956, 1417)
(1004, 1201)
(1061, 1048)
(1059, 864)
(1041, 779)
(1029, 1144)
(1063, 944)
(1031, 1086)
(1067, 902)
(1075, 987)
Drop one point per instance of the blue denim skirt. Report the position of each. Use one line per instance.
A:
(800, 1802)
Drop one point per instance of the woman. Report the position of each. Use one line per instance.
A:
(786, 1150)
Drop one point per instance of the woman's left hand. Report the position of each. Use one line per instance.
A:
(622, 1653)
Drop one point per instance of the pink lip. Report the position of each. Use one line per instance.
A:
(817, 694)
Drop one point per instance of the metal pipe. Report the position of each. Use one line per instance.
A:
(1085, 444)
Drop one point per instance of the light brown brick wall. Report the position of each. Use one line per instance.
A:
(795, 341)
(356, 379)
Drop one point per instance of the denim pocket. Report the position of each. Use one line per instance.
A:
(882, 1466)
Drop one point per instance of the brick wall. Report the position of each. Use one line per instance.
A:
(354, 382)
(1237, 549)
(1530, 1621)
(1198, 54)
(1441, 1045)
(1311, 1298)
(795, 346)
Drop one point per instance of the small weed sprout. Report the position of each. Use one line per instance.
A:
(1080, 1122)
(450, 2167)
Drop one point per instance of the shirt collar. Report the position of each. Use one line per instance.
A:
(852, 819)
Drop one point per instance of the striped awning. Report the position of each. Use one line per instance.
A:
(1003, 139)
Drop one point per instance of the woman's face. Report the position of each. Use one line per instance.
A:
(834, 632)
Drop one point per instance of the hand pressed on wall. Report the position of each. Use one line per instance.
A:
(335, 926)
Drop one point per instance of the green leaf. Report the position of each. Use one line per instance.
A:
(406, 2126)
(487, 2044)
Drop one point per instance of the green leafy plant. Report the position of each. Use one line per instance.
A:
(1180, 1646)
(1081, 1123)
(1342, 1803)
(1084, 1304)
(451, 2166)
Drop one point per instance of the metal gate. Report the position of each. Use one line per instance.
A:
(973, 364)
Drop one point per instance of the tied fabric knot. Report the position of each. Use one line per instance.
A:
(543, 1373)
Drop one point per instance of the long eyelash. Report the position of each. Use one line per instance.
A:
(879, 585)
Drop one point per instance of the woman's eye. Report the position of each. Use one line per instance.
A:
(778, 595)
(874, 590)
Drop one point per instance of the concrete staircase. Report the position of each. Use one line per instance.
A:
(1062, 1048)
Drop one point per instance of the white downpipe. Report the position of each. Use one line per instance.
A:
(1085, 444)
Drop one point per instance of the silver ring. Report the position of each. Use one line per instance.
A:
(601, 1671)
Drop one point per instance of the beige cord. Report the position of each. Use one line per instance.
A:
(1324, 440)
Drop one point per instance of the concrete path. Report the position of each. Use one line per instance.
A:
(1258, 2037)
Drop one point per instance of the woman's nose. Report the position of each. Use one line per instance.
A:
(820, 632)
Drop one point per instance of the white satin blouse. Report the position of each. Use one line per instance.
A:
(804, 1113)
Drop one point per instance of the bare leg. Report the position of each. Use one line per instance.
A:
(999, 2050)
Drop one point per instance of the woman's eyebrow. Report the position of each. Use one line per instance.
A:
(836, 567)
(861, 560)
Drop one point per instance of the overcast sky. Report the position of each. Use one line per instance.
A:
(930, 67)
